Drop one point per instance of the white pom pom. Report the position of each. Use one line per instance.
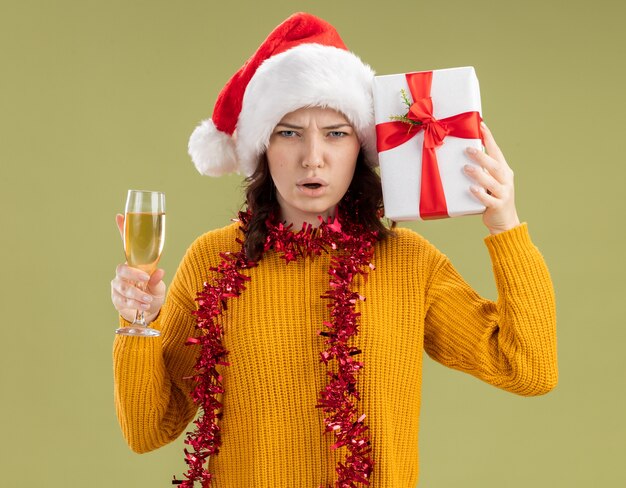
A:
(212, 151)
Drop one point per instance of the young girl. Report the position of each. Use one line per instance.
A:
(299, 328)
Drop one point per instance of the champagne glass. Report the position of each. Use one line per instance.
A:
(144, 235)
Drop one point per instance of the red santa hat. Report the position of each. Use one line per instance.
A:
(303, 62)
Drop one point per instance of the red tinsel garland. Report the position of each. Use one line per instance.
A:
(338, 400)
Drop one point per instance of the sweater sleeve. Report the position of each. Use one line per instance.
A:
(510, 343)
(151, 374)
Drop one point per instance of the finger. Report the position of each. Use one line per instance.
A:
(124, 302)
(490, 143)
(496, 168)
(125, 272)
(156, 277)
(130, 291)
(155, 284)
(119, 220)
(484, 180)
(485, 198)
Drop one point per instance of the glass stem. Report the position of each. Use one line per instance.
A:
(139, 318)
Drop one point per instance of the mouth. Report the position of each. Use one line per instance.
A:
(312, 182)
(312, 187)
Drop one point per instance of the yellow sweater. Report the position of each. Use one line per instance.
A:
(272, 433)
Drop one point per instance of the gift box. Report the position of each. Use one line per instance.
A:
(424, 122)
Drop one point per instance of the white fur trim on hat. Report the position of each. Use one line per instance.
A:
(212, 151)
(306, 75)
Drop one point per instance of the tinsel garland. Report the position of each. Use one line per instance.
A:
(354, 251)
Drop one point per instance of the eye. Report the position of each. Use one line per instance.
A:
(288, 133)
(337, 133)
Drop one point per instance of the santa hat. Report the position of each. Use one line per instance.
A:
(303, 62)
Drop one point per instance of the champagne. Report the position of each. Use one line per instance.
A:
(144, 235)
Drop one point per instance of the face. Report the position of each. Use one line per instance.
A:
(312, 155)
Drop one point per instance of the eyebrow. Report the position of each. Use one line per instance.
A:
(291, 126)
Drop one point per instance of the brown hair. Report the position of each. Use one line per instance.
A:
(363, 203)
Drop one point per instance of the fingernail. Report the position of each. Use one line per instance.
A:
(471, 150)
(144, 277)
(475, 188)
(469, 168)
(145, 306)
(482, 124)
(147, 298)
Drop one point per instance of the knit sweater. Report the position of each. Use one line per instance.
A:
(272, 433)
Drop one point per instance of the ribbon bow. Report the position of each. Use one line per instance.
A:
(434, 131)
(393, 134)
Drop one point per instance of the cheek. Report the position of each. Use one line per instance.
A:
(273, 161)
(278, 174)
(349, 169)
(348, 176)
(277, 160)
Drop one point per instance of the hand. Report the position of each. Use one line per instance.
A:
(494, 186)
(127, 298)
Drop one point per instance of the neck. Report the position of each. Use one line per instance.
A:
(299, 220)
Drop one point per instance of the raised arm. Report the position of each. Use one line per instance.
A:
(510, 343)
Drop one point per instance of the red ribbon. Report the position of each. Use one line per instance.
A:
(392, 134)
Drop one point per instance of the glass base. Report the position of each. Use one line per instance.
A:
(138, 331)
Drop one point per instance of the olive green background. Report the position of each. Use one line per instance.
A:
(97, 97)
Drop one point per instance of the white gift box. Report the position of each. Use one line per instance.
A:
(452, 91)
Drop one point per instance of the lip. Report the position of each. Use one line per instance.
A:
(312, 192)
(314, 179)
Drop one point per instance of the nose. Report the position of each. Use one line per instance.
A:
(313, 154)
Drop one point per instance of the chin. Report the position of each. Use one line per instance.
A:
(319, 209)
